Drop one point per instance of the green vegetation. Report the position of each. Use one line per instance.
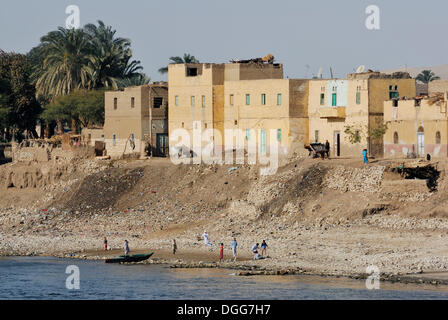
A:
(426, 76)
(82, 107)
(62, 79)
(179, 60)
(19, 109)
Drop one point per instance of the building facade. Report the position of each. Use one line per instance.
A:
(348, 113)
(416, 127)
(269, 110)
(136, 121)
(197, 96)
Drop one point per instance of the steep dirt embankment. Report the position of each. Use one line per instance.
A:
(332, 216)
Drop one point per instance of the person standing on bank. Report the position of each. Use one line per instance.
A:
(105, 244)
(327, 149)
(126, 248)
(234, 246)
(221, 252)
(365, 160)
(174, 246)
(264, 246)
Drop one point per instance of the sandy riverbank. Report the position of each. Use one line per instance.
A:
(324, 218)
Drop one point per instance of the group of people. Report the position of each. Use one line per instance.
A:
(258, 251)
(126, 246)
(326, 153)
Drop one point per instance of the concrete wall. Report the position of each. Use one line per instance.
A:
(125, 121)
(406, 119)
(290, 117)
(437, 86)
(361, 117)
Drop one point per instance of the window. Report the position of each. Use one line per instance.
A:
(205, 125)
(231, 99)
(438, 137)
(203, 101)
(358, 97)
(316, 136)
(247, 134)
(247, 99)
(334, 100)
(115, 103)
(193, 102)
(176, 100)
(157, 103)
(192, 72)
(132, 102)
(393, 92)
(395, 137)
(279, 99)
(322, 99)
(279, 135)
(114, 139)
(263, 99)
(183, 125)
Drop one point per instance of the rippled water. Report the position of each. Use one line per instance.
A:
(45, 278)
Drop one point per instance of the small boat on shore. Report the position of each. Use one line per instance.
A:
(133, 258)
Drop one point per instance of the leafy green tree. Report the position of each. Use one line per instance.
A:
(427, 76)
(179, 60)
(19, 109)
(82, 107)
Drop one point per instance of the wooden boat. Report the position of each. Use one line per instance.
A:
(133, 258)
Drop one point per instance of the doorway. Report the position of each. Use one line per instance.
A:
(162, 144)
(421, 141)
(337, 143)
(263, 142)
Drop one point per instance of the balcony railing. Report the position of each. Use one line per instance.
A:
(332, 112)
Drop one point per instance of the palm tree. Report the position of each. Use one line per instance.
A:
(88, 58)
(137, 80)
(179, 60)
(66, 53)
(110, 59)
(426, 76)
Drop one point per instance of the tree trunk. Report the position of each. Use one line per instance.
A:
(60, 129)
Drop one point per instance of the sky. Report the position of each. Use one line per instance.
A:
(303, 35)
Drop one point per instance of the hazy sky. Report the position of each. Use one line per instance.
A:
(316, 33)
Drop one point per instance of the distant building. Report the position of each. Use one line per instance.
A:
(353, 107)
(228, 96)
(416, 127)
(136, 121)
(277, 107)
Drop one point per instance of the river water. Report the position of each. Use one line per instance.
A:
(45, 278)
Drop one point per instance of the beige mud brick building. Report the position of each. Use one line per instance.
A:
(129, 117)
(356, 102)
(416, 127)
(276, 107)
(196, 93)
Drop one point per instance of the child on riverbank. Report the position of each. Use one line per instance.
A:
(221, 252)
(174, 246)
(264, 246)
